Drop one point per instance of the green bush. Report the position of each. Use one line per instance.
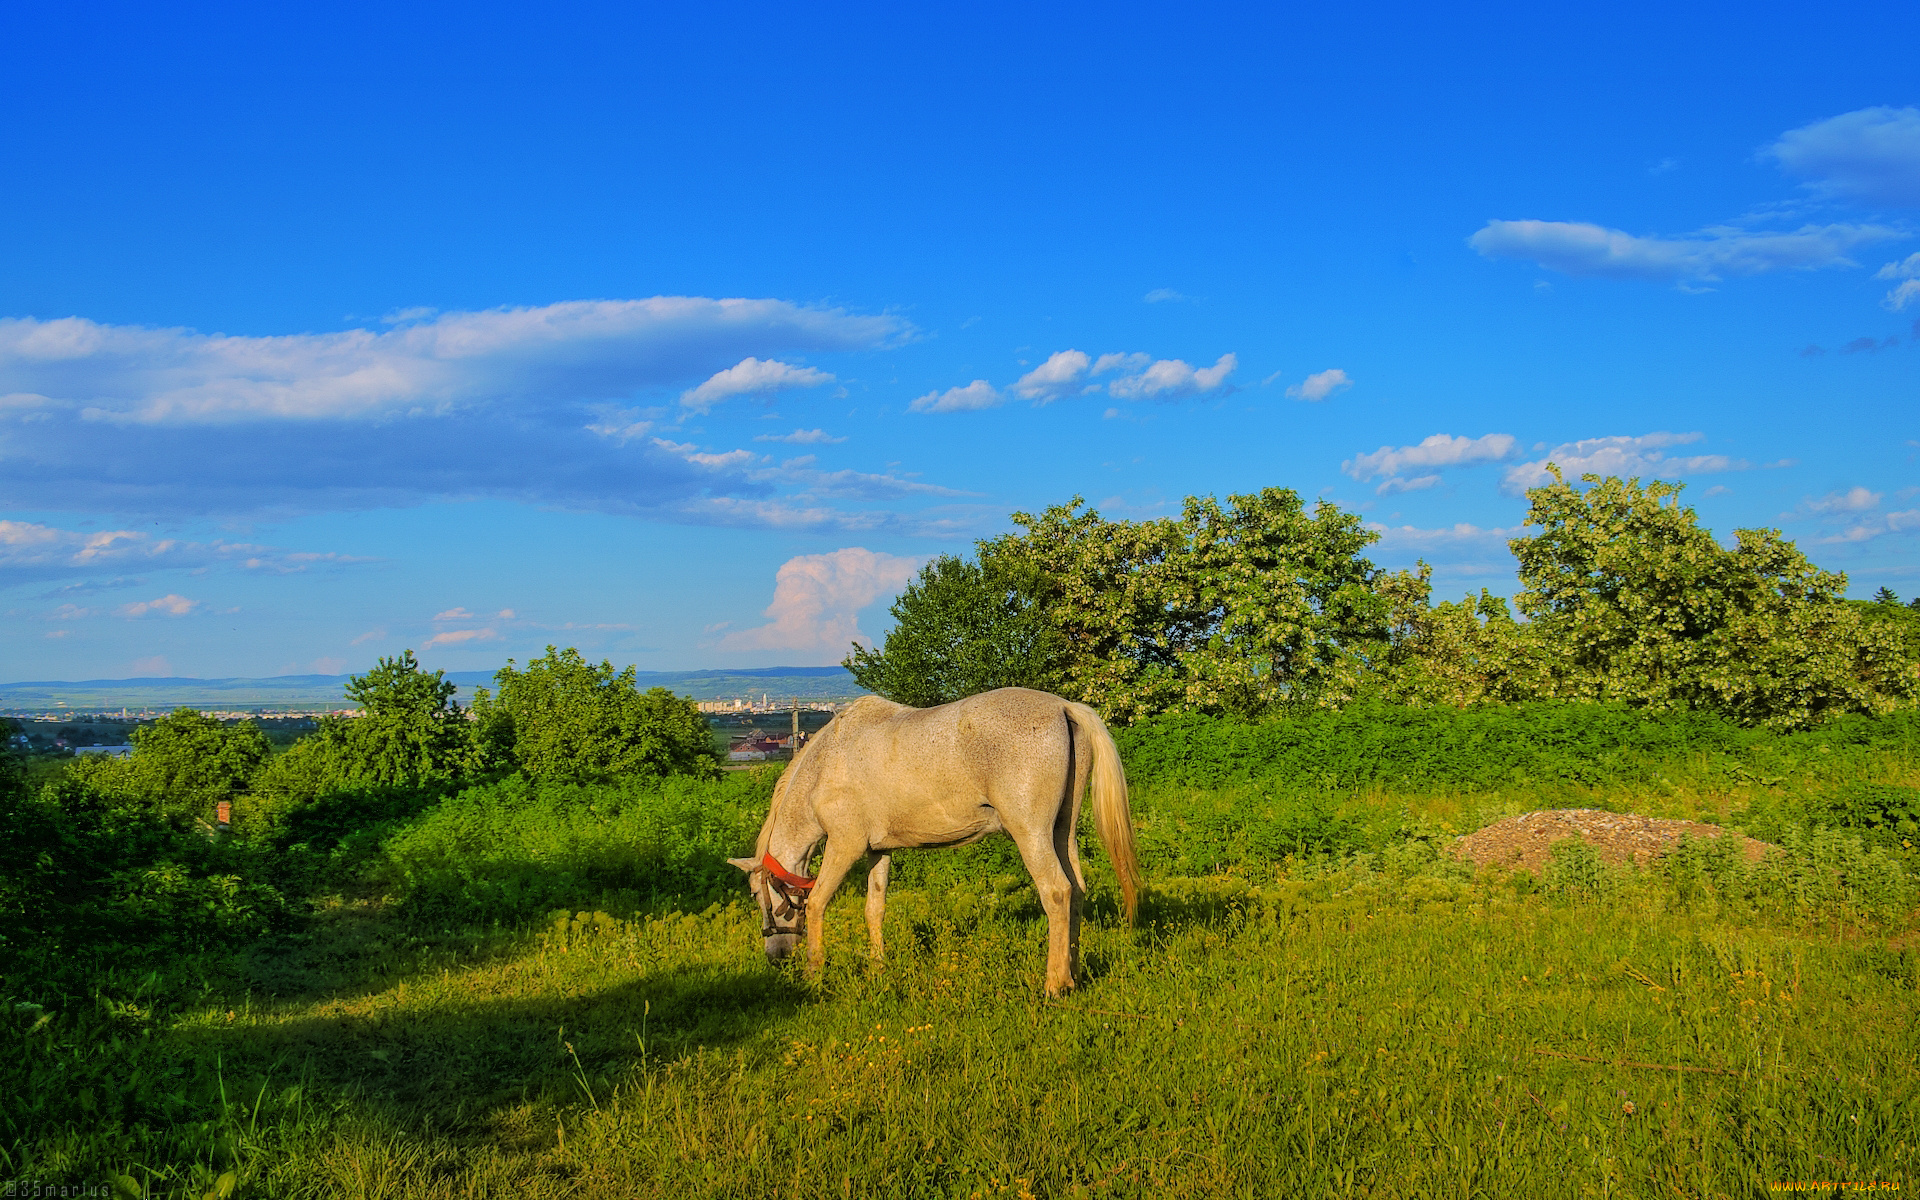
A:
(94, 876)
(1488, 747)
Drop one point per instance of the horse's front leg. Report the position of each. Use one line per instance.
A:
(835, 862)
(877, 903)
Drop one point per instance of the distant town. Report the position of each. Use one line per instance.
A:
(752, 728)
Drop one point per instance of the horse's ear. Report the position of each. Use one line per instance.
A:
(745, 864)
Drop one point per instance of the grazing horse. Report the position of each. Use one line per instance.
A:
(883, 777)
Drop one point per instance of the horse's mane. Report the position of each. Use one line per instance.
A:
(865, 709)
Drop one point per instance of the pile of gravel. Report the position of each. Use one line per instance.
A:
(1525, 840)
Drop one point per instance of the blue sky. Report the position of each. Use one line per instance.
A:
(686, 336)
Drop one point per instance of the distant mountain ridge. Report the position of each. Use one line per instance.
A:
(329, 691)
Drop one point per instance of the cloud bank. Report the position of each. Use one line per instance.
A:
(1869, 156)
(539, 405)
(1432, 454)
(579, 349)
(1077, 373)
(1619, 455)
(1907, 290)
(1578, 248)
(817, 599)
(30, 551)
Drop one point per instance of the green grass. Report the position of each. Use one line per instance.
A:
(1352, 1034)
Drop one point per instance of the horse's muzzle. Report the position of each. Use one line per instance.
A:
(780, 945)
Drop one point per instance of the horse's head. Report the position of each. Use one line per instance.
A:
(782, 901)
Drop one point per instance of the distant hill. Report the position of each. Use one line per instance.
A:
(282, 692)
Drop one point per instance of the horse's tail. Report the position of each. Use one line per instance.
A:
(1111, 814)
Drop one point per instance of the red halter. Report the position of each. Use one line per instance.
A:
(788, 901)
(785, 876)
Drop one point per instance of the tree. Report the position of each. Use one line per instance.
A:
(1240, 607)
(410, 730)
(1902, 620)
(960, 629)
(1453, 654)
(1630, 600)
(410, 734)
(182, 765)
(563, 718)
(1237, 607)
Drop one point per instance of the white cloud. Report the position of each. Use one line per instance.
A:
(1578, 248)
(1888, 523)
(801, 513)
(1059, 376)
(621, 425)
(460, 637)
(751, 377)
(1908, 271)
(1164, 296)
(170, 604)
(1417, 484)
(688, 452)
(505, 614)
(976, 395)
(1171, 378)
(294, 563)
(1462, 536)
(1068, 372)
(535, 405)
(1618, 455)
(1121, 362)
(1320, 385)
(577, 348)
(1856, 499)
(454, 614)
(802, 437)
(33, 551)
(1436, 452)
(817, 599)
(851, 485)
(1870, 155)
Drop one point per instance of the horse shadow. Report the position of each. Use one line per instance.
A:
(460, 1065)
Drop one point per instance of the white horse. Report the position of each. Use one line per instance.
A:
(883, 777)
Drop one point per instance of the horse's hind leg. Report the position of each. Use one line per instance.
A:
(877, 903)
(1056, 891)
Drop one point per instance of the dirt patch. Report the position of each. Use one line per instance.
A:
(1524, 841)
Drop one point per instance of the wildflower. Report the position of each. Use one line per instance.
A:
(1627, 1108)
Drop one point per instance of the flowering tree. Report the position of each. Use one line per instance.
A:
(1630, 600)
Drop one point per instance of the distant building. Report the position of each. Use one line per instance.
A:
(109, 751)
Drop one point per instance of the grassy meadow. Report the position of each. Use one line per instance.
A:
(534, 991)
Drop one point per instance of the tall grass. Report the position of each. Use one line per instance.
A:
(557, 990)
